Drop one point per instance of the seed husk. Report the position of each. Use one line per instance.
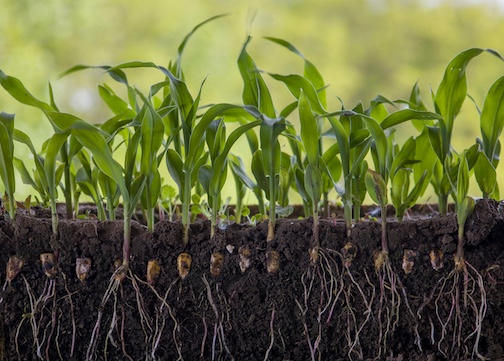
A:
(216, 263)
(119, 276)
(349, 251)
(379, 259)
(49, 264)
(408, 260)
(82, 268)
(436, 259)
(244, 253)
(14, 266)
(153, 271)
(272, 261)
(184, 261)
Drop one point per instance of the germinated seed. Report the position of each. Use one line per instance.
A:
(153, 271)
(48, 264)
(14, 266)
(82, 268)
(349, 251)
(184, 261)
(216, 263)
(408, 260)
(244, 258)
(272, 261)
(436, 259)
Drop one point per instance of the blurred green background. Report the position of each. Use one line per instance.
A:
(362, 48)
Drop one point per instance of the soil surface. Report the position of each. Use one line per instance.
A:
(335, 309)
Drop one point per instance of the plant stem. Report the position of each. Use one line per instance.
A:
(126, 239)
(443, 204)
(215, 208)
(54, 217)
(272, 205)
(186, 206)
(347, 205)
(384, 242)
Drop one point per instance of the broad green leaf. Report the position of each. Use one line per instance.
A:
(485, 174)
(376, 187)
(175, 167)
(53, 149)
(462, 179)
(269, 132)
(297, 84)
(400, 187)
(380, 145)
(180, 50)
(464, 210)
(7, 154)
(313, 183)
(255, 91)
(405, 115)
(259, 172)
(18, 91)
(309, 130)
(492, 119)
(310, 70)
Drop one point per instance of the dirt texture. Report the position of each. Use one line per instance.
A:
(338, 308)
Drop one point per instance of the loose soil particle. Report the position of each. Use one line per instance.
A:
(252, 314)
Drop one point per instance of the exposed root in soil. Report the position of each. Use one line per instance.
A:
(219, 333)
(392, 294)
(44, 315)
(160, 322)
(461, 291)
(115, 286)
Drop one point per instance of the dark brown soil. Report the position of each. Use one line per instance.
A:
(301, 312)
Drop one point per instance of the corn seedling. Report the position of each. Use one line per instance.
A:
(448, 101)
(491, 123)
(7, 160)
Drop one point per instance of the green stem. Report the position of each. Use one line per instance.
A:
(68, 182)
(443, 204)
(215, 211)
(54, 217)
(384, 242)
(347, 205)
(186, 206)
(272, 207)
(126, 239)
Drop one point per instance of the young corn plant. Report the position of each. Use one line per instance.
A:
(213, 176)
(310, 137)
(7, 160)
(491, 124)
(463, 287)
(448, 101)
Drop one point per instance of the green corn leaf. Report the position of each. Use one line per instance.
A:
(492, 119)
(427, 156)
(405, 115)
(462, 179)
(343, 142)
(269, 132)
(53, 148)
(180, 51)
(376, 187)
(400, 187)
(115, 103)
(310, 70)
(259, 172)
(452, 92)
(436, 141)
(238, 169)
(309, 130)
(219, 166)
(116, 74)
(297, 84)
(205, 176)
(313, 183)
(255, 91)
(18, 91)
(175, 167)
(412, 197)
(404, 157)
(464, 210)
(380, 145)
(485, 174)
(7, 154)
(299, 180)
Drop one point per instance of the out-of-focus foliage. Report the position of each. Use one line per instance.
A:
(362, 48)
